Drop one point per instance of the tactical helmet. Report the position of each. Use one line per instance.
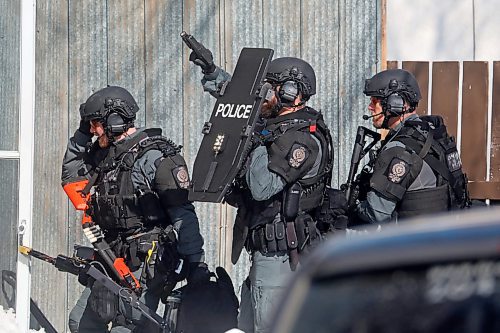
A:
(113, 106)
(289, 69)
(394, 81)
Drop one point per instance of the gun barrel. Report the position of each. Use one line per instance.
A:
(27, 251)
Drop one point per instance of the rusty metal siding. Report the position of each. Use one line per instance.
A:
(9, 73)
(87, 66)
(84, 45)
(50, 228)
(359, 58)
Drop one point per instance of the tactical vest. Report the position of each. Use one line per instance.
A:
(280, 136)
(429, 140)
(115, 204)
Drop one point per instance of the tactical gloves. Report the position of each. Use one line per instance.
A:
(84, 123)
(332, 216)
(85, 127)
(198, 273)
(207, 67)
(338, 202)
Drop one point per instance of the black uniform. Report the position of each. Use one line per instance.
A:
(140, 188)
(416, 171)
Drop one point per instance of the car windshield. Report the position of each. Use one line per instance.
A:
(457, 297)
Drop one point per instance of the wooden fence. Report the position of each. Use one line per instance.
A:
(467, 95)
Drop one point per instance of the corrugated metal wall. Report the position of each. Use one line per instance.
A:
(84, 45)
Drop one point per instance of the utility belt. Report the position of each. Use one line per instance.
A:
(135, 248)
(278, 237)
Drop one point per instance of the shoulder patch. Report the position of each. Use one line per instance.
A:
(298, 155)
(453, 161)
(397, 171)
(181, 176)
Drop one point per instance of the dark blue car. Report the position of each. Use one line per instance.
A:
(430, 275)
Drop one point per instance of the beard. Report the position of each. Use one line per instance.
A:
(103, 141)
(269, 109)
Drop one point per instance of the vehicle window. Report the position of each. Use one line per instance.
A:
(458, 297)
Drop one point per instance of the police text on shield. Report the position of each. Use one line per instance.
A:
(233, 110)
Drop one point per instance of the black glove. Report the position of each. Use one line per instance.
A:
(84, 127)
(337, 202)
(198, 273)
(84, 124)
(207, 66)
(103, 302)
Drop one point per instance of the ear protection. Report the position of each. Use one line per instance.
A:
(115, 124)
(393, 105)
(288, 91)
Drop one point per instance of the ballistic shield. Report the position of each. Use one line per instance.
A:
(229, 131)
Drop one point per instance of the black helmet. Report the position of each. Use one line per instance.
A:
(394, 81)
(113, 106)
(282, 70)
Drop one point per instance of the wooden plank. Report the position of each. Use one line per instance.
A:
(421, 71)
(126, 50)
(445, 76)
(495, 125)
(9, 72)
(392, 64)
(163, 72)
(474, 119)
(87, 74)
(50, 230)
(484, 190)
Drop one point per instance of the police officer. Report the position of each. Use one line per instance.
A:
(139, 189)
(285, 177)
(417, 170)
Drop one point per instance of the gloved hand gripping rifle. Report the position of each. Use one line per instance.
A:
(78, 193)
(359, 151)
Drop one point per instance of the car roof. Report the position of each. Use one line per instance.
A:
(453, 236)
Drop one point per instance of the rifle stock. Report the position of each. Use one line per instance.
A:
(78, 193)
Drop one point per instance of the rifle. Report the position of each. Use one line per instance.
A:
(78, 193)
(359, 151)
(201, 52)
(76, 265)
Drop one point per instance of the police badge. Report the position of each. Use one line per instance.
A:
(297, 156)
(397, 170)
(181, 176)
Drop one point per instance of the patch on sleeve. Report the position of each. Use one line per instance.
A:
(453, 161)
(181, 176)
(297, 156)
(398, 169)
